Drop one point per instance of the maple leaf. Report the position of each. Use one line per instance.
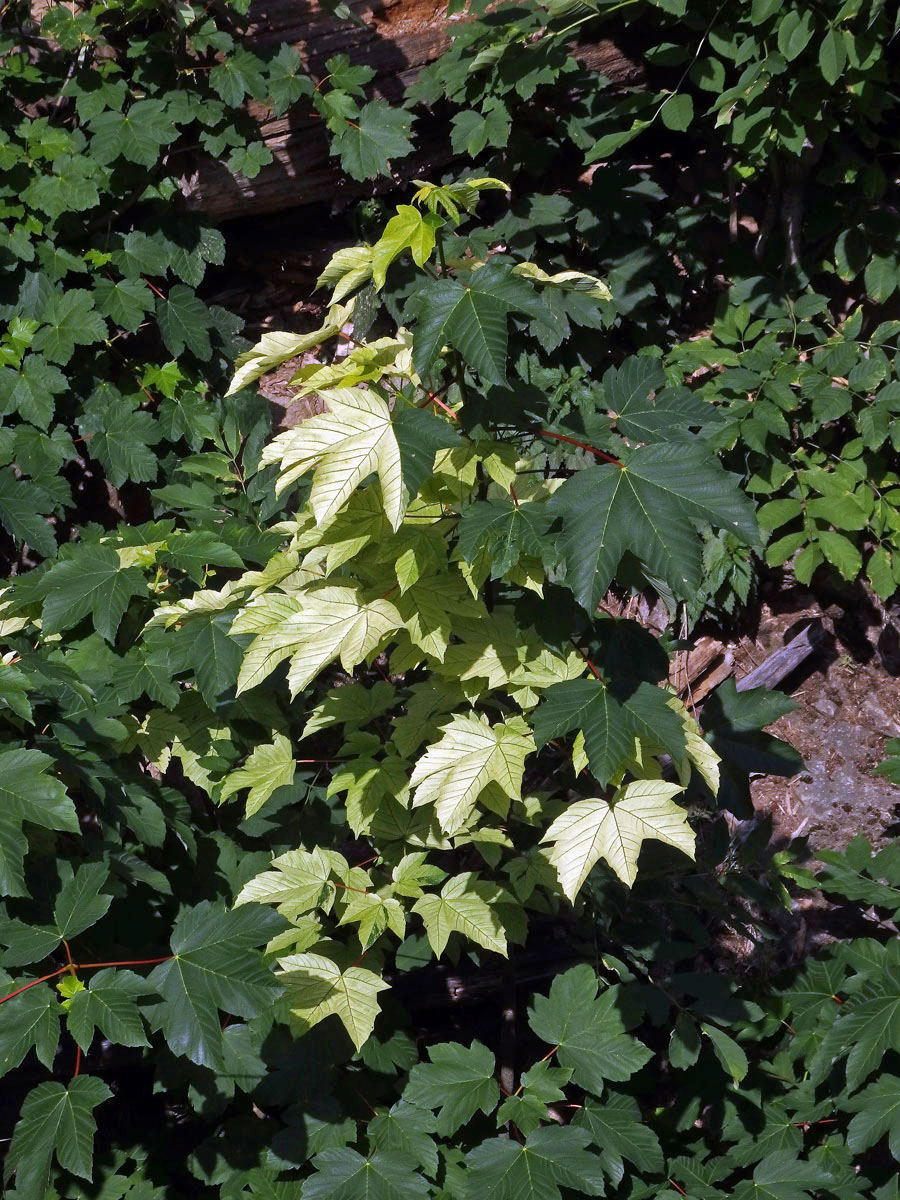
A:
(78, 906)
(407, 230)
(406, 1129)
(352, 705)
(877, 1110)
(268, 768)
(469, 756)
(332, 622)
(27, 793)
(121, 439)
(616, 1126)
(55, 1120)
(457, 1082)
(782, 1176)
(21, 504)
(551, 1158)
(70, 320)
(108, 1003)
(867, 1028)
(214, 965)
(301, 880)
(609, 721)
(472, 318)
(649, 506)
(541, 1085)
(344, 1174)
(184, 321)
(373, 915)
(30, 1021)
(590, 1033)
(136, 134)
(464, 906)
(643, 409)
(589, 830)
(347, 269)
(377, 134)
(91, 580)
(344, 445)
(779, 1133)
(275, 348)
(506, 532)
(316, 987)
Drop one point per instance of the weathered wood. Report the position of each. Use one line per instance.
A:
(784, 660)
(398, 39)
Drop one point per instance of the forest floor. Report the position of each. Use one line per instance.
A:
(848, 704)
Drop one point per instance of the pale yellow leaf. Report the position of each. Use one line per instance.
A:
(589, 830)
(316, 987)
(471, 754)
(268, 768)
(344, 445)
(462, 907)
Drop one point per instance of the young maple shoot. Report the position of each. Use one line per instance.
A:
(403, 553)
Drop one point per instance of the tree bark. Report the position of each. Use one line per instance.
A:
(398, 39)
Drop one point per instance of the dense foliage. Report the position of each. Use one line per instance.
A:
(331, 730)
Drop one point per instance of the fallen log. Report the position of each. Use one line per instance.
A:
(397, 38)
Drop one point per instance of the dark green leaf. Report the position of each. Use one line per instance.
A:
(79, 904)
(506, 532)
(55, 1120)
(125, 301)
(93, 581)
(472, 317)
(552, 1158)
(649, 507)
(69, 320)
(27, 793)
(377, 134)
(590, 1033)
(136, 134)
(109, 1004)
(346, 1175)
(457, 1082)
(30, 1021)
(184, 321)
(609, 722)
(21, 503)
(120, 437)
(214, 966)
(616, 1127)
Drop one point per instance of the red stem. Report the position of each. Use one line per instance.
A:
(594, 670)
(128, 962)
(33, 983)
(77, 1061)
(433, 399)
(153, 288)
(610, 458)
(72, 967)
